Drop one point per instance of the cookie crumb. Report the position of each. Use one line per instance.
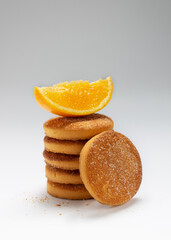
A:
(37, 199)
(60, 213)
(43, 199)
(58, 205)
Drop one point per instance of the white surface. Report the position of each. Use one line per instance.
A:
(44, 42)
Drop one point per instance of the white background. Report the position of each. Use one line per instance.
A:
(45, 42)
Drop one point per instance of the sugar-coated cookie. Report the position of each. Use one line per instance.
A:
(77, 128)
(63, 161)
(67, 191)
(110, 167)
(63, 146)
(63, 176)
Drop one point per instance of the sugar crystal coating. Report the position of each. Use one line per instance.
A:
(77, 123)
(113, 170)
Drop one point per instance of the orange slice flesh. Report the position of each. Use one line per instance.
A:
(76, 98)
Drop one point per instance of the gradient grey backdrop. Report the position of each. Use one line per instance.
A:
(46, 42)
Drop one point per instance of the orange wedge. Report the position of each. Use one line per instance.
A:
(76, 98)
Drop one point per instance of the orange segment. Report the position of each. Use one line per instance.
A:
(76, 98)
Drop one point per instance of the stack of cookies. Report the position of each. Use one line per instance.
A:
(64, 140)
(85, 158)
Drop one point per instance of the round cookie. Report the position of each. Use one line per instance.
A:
(63, 176)
(68, 191)
(64, 146)
(77, 128)
(63, 161)
(110, 167)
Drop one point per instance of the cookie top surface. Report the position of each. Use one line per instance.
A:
(63, 142)
(59, 156)
(88, 122)
(73, 187)
(110, 167)
(63, 171)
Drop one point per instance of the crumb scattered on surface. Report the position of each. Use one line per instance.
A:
(58, 205)
(44, 199)
(87, 204)
(60, 213)
(37, 199)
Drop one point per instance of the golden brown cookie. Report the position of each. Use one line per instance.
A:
(77, 128)
(67, 191)
(63, 161)
(63, 176)
(110, 167)
(64, 146)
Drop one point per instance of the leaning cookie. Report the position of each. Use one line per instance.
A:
(77, 128)
(68, 191)
(110, 168)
